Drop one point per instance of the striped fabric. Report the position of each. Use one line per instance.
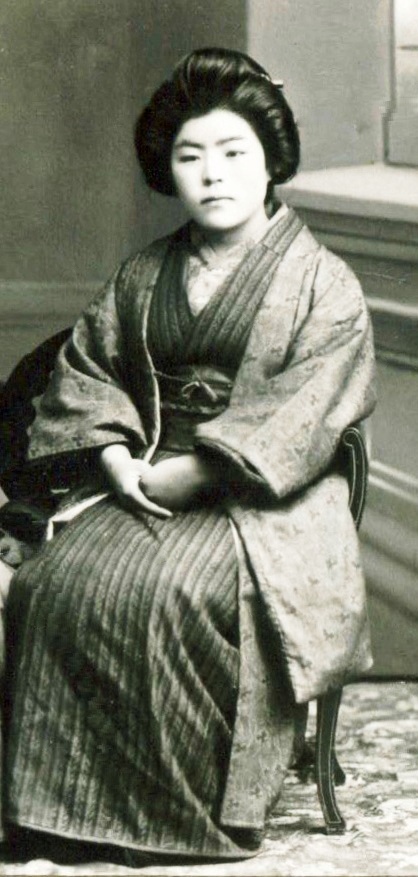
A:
(218, 334)
(127, 682)
(125, 645)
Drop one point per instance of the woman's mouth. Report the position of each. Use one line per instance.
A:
(214, 199)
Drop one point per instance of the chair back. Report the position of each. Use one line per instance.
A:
(353, 448)
(27, 381)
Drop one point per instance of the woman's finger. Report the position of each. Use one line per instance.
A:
(152, 507)
(136, 498)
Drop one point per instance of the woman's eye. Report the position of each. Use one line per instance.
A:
(184, 158)
(232, 153)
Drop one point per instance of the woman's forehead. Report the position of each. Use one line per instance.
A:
(214, 128)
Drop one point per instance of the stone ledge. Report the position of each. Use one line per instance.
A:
(374, 191)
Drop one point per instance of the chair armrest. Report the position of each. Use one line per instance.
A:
(355, 454)
(6, 573)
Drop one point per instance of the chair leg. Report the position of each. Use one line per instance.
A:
(339, 775)
(326, 763)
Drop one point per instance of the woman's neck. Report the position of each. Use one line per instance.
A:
(222, 240)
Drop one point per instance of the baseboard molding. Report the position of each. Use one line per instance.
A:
(28, 300)
(392, 581)
(31, 312)
(389, 540)
(390, 559)
(394, 494)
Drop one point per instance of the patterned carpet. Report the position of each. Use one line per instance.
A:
(378, 748)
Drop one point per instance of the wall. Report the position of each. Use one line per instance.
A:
(334, 59)
(402, 127)
(75, 74)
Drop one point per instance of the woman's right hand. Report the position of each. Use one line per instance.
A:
(124, 475)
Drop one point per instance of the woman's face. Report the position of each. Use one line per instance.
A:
(220, 175)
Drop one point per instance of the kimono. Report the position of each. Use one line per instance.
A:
(159, 664)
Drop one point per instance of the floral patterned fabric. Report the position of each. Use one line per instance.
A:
(307, 373)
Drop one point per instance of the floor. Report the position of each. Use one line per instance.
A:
(378, 748)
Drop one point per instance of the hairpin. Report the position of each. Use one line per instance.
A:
(277, 82)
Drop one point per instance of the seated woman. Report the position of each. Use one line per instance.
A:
(207, 580)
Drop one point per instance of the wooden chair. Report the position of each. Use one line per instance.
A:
(327, 770)
(28, 380)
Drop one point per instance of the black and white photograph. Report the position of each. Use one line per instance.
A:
(208, 438)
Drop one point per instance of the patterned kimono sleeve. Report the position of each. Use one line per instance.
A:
(288, 411)
(87, 404)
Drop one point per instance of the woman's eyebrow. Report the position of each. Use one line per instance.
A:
(229, 140)
(191, 144)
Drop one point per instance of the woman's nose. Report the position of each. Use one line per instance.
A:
(212, 170)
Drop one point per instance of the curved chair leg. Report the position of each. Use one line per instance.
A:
(339, 775)
(326, 763)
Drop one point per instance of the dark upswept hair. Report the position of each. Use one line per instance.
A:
(209, 79)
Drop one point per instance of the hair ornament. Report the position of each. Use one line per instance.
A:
(277, 82)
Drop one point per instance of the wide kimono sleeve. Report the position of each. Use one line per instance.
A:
(308, 372)
(88, 403)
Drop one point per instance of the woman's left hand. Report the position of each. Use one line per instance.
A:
(176, 482)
